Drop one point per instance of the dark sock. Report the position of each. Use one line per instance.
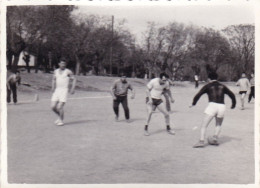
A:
(146, 127)
(168, 127)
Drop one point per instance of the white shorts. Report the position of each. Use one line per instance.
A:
(60, 95)
(215, 109)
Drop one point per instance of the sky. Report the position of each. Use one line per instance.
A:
(216, 17)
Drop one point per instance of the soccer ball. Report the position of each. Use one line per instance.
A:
(213, 141)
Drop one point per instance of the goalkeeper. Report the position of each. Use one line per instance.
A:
(216, 107)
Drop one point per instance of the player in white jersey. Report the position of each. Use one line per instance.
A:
(244, 84)
(60, 89)
(155, 89)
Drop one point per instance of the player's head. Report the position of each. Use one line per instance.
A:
(243, 75)
(123, 76)
(17, 72)
(252, 75)
(163, 78)
(62, 64)
(213, 76)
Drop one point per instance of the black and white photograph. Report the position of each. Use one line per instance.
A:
(148, 94)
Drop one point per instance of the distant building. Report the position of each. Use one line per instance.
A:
(21, 62)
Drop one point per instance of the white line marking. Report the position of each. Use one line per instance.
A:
(100, 97)
(195, 128)
(78, 98)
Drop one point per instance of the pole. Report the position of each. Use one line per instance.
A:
(133, 68)
(111, 46)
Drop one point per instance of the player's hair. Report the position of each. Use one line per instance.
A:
(63, 60)
(213, 76)
(163, 74)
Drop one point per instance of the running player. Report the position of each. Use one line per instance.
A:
(196, 79)
(252, 89)
(60, 89)
(119, 92)
(12, 81)
(244, 84)
(155, 89)
(216, 107)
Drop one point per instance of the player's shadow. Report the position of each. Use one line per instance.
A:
(225, 139)
(80, 122)
(164, 130)
(131, 120)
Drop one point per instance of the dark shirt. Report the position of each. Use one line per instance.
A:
(216, 92)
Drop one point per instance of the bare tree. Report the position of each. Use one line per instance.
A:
(242, 41)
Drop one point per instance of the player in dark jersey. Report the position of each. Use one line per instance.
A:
(216, 108)
(119, 92)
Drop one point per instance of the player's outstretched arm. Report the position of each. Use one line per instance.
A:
(248, 84)
(133, 93)
(74, 81)
(112, 90)
(148, 94)
(53, 83)
(232, 97)
(238, 83)
(8, 82)
(199, 94)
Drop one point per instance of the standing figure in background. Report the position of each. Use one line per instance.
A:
(119, 92)
(244, 84)
(252, 89)
(12, 81)
(196, 78)
(26, 58)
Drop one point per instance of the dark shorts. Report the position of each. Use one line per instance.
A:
(155, 102)
(242, 92)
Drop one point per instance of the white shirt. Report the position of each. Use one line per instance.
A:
(156, 89)
(62, 78)
(243, 83)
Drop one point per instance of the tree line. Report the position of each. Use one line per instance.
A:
(96, 43)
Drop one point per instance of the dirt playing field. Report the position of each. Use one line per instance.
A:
(92, 148)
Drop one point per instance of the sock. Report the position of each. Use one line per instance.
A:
(146, 127)
(168, 127)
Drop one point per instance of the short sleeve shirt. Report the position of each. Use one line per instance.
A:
(156, 88)
(244, 84)
(121, 88)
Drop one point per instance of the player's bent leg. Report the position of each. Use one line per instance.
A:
(214, 140)
(165, 113)
(54, 106)
(60, 107)
(116, 108)
(126, 109)
(149, 116)
(207, 119)
(243, 101)
(14, 90)
(167, 118)
(8, 97)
